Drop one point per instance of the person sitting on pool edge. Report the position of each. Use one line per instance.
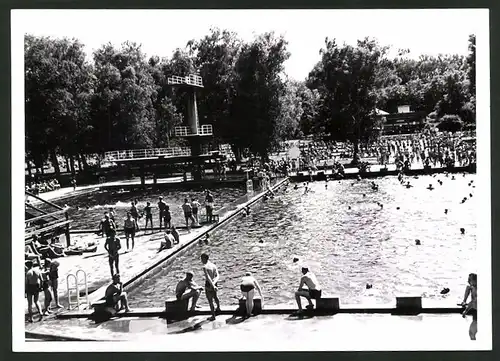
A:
(115, 294)
(247, 287)
(313, 290)
(194, 291)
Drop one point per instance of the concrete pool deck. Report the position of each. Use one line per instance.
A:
(268, 332)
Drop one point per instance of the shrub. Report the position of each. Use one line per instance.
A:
(450, 123)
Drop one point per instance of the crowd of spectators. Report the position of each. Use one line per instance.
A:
(427, 148)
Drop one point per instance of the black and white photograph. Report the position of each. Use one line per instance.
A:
(251, 180)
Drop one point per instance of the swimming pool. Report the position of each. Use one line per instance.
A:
(346, 238)
(86, 211)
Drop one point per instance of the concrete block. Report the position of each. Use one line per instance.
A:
(102, 311)
(176, 307)
(257, 306)
(408, 305)
(328, 304)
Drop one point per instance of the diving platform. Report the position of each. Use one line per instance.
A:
(190, 80)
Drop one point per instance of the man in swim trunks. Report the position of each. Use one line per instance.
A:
(112, 214)
(149, 215)
(248, 286)
(188, 213)
(47, 294)
(195, 205)
(130, 226)
(161, 207)
(211, 279)
(133, 210)
(471, 307)
(112, 246)
(209, 205)
(115, 294)
(53, 268)
(107, 226)
(313, 290)
(193, 290)
(32, 284)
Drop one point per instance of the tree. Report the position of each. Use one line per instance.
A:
(290, 115)
(256, 107)
(58, 89)
(345, 79)
(122, 107)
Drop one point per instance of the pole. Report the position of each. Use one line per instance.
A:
(68, 239)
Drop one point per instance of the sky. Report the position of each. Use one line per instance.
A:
(162, 31)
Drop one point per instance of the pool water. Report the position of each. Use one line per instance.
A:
(86, 211)
(346, 248)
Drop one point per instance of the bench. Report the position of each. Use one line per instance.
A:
(328, 304)
(408, 305)
(176, 309)
(242, 308)
(103, 311)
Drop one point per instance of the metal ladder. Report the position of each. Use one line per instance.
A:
(77, 288)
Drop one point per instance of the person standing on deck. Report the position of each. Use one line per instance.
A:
(471, 307)
(130, 226)
(53, 268)
(188, 214)
(112, 246)
(313, 290)
(112, 214)
(133, 211)
(149, 216)
(247, 287)
(32, 284)
(195, 205)
(211, 279)
(161, 207)
(46, 291)
(107, 226)
(209, 205)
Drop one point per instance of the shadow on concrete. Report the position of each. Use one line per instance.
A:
(235, 320)
(196, 326)
(299, 317)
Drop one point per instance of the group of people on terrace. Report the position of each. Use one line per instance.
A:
(427, 148)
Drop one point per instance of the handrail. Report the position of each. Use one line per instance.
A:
(77, 288)
(43, 200)
(45, 216)
(147, 153)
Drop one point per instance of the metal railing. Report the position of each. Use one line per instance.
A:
(191, 79)
(76, 288)
(147, 153)
(183, 131)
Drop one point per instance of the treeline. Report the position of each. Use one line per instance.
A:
(121, 100)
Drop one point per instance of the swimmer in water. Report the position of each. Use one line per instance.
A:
(430, 187)
(408, 185)
(247, 287)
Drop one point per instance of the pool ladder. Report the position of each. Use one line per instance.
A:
(76, 288)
